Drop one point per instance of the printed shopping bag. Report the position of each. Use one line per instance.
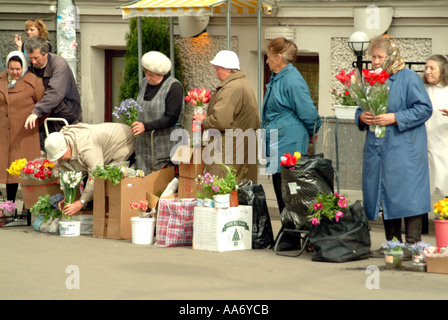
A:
(175, 222)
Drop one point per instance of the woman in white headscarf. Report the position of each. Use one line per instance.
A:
(19, 91)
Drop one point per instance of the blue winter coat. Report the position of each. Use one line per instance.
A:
(290, 112)
(395, 168)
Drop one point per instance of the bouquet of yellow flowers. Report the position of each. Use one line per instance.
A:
(15, 169)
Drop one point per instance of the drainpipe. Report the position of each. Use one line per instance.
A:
(66, 25)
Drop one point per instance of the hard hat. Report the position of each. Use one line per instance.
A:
(226, 59)
(55, 146)
(156, 62)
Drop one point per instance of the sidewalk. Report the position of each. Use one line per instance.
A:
(44, 266)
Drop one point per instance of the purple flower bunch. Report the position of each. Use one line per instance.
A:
(213, 185)
(128, 110)
(8, 206)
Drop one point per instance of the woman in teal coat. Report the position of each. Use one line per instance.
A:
(289, 114)
(395, 174)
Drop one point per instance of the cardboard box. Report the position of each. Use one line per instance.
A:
(191, 165)
(111, 206)
(222, 230)
(437, 265)
(33, 189)
(111, 210)
(156, 183)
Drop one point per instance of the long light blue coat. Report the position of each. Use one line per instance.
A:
(289, 113)
(395, 168)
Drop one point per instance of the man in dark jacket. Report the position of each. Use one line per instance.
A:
(61, 99)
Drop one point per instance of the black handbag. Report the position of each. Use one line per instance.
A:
(254, 195)
(346, 240)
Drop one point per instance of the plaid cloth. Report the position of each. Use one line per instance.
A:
(175, 222)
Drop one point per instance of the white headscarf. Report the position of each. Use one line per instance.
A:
(12, 82)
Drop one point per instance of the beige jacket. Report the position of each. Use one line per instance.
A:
(97, 144)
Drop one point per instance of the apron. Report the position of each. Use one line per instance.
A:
(153, 148)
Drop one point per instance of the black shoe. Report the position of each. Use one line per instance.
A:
(378, 253)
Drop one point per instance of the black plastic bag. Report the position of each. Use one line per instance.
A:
(300, 185)
(346, 240)
(254, 195)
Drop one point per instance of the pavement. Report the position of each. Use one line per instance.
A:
(35, 265)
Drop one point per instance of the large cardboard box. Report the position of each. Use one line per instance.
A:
(437, 265)
(112, 212)
(111, 206)
(191, 165)
(222, 229)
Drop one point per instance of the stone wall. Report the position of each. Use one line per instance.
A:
(196, 54)
(350, 143)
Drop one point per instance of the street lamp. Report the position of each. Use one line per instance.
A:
(358, 43)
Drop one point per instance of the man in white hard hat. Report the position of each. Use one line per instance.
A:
(233, 106)
(82, 147)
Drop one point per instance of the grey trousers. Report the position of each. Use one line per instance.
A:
(412, 225)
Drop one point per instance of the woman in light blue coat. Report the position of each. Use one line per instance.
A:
(395, 174)
(289, 114)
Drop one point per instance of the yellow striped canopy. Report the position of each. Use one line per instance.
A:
(169, 8)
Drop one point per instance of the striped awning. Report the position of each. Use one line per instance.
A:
(170, 8)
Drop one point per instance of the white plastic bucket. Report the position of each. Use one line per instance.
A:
(69, 228)
(222, 200)
(143, 230)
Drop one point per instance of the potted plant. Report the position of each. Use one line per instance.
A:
(7, 211)
(143, 226)
(441, 222)
(393, 253)
(345, 106)
(220, 188)
(8, 207)
(418, 256)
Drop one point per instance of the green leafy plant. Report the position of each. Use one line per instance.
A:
(155, 32)
(108, 172)
(47, 206)
(329, 206)
(212, 185)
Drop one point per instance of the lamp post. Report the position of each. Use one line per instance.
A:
(358, 43)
